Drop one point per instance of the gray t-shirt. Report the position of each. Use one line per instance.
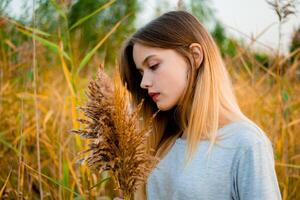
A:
(240, 166)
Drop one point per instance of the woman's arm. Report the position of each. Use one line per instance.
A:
(255, 176)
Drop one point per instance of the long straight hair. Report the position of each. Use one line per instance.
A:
(209, 91)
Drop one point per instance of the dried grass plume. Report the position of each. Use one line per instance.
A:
(117, 142)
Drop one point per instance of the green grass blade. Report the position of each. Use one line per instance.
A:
(98, 184)
(37, 31)
(54, 47)
(53, 180)
(65, 174)
(58, 9)
(7, 144)
(90, 54)
(79, 198)
(80, 21)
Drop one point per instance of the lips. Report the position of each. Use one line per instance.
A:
(154, 95)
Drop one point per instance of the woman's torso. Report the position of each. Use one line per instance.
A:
(219, 174)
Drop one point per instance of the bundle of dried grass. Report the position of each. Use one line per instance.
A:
(117, 143)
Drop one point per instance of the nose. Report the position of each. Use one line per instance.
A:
(146, 81)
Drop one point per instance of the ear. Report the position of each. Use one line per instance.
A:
(197, 53)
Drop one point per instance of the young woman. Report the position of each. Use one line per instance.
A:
(208, 149)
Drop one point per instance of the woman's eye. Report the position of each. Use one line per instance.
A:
(154, 67)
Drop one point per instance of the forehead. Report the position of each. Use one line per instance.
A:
(137, 47)
(141, 52)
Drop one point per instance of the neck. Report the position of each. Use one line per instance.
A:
(222, 122)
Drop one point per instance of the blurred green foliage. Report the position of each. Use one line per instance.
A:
(89, 33)
(49, 19)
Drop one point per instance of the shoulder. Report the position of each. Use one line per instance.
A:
(253, 165)
(243, 134)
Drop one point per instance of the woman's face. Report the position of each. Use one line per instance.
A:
(164, 74)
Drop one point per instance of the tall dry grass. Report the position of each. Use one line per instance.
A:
(270, 99)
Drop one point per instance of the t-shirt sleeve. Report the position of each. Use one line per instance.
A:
(254, 176)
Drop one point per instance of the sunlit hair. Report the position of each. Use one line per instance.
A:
(209, 92)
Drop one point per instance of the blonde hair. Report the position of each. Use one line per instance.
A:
(208, 95)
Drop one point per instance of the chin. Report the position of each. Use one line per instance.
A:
(164, 107)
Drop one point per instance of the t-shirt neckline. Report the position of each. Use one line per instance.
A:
(220, 130)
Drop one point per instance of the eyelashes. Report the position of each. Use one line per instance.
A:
(152, 68)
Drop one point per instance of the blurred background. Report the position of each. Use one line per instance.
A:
(50, 49)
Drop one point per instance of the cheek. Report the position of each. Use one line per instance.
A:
(172, 77)
(179, 80)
